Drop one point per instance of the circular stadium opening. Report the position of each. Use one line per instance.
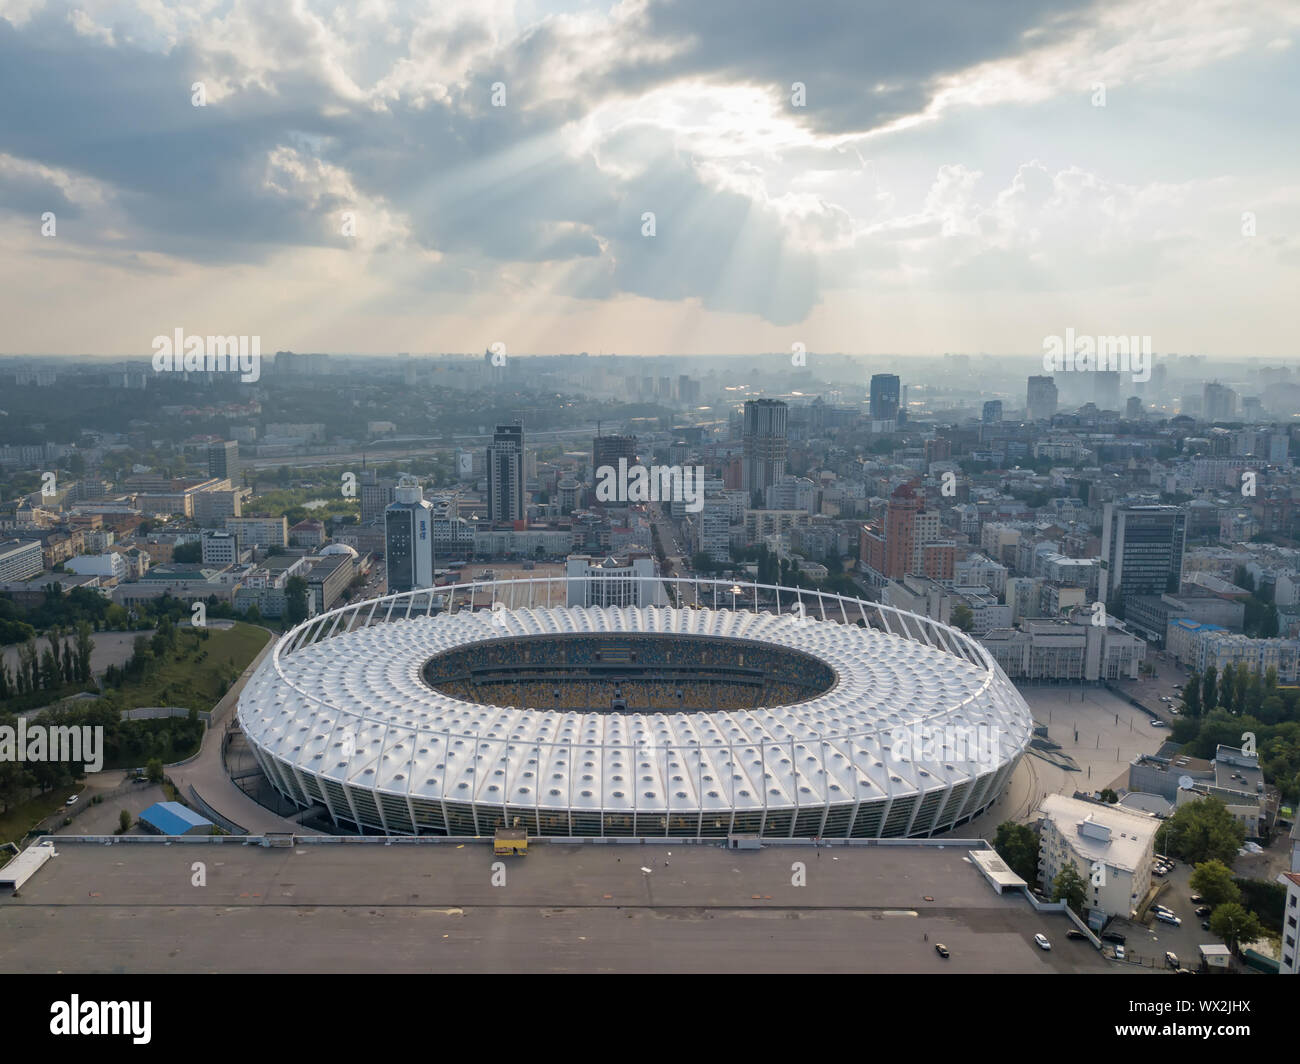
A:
(628, 673)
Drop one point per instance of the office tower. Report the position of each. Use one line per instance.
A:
(376, 494)
(899, 545)
(992, 412)
(1133, 408)
(1040, 404)
(408, 538)
(607, 450)
(1141, 550)
(765, 443)
(505, 474)
(884, 396)
(1219, 403)
(1105, 389)
(223, 461)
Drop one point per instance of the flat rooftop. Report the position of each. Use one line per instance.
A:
(366, 907)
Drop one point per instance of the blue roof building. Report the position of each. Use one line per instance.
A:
(172, 818)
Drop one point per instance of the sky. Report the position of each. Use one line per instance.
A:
(650, 176)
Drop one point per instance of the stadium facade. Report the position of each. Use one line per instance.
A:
(747, 709)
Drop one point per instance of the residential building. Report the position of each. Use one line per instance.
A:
(1111, 849)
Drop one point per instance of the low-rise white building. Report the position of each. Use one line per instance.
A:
(1110, 848)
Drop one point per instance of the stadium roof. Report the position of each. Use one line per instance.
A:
(354, 708)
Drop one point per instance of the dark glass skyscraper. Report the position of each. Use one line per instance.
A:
(885, 390)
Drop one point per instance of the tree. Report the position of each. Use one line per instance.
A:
(1109, 796)
(1192, 696)
(154, 770)
(85, 646)
(1070, 888)
(1202, 831)
(962, 617)
(1227, 687)
(188, 552)
(1017, 844)
(295, 601)
(1209, 689)
(124, 821)
(1235, 925)
(1213, 881)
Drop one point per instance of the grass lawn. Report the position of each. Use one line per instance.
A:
(21, 818)
(187, 679)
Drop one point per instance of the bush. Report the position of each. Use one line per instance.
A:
(124, 822)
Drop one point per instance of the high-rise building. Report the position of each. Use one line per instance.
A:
(1219, 402)
(1040, 403)
(884, 396)
(376, 493)
(992, 412)
(1141, 550)
(223, 461)
(1133, 408)
(408, 538)
(765, 443)
(900, 547)
(607, 450)
(505, 474)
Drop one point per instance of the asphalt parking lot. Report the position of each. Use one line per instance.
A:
(563, 908)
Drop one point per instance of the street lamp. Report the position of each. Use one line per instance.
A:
(735, 590)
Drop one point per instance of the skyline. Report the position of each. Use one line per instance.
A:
(349, 185)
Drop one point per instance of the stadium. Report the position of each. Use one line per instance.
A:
(458, 710)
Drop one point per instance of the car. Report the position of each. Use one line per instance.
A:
(1159, 724)
(72, 800)
(1195, 897)
(1204, 910)
(1042, 942)
(1114, 936)
(1171, 959)
(1074, 932)
(1119, 953)
(1169, 918)
(1162, 909)
(1160, 870)
(1205, 925)
(941, 949)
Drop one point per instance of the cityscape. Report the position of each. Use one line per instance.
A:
(605, 488)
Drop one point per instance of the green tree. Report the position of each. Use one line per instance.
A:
(85, 646)
(1213, 881)
(124, 821)
(154, 770)
(1201, 831)
(962, 617)
(1227, 687)
(1108, 795)
(295, 601)
(1017, 844)
(1209, 689)
(1235, 925)
(1070, 888)
(1192, 696)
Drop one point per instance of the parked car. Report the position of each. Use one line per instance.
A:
(1159, 724)
(1169, 918)
(1171, 959)
(1205, 925)
(1160, 870)
(1074, 932)
(1114, 936)
(941, 949)
(72, 800)
(1042, 942)
(1204, 910)
(1119, 953)
(1195, 897)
